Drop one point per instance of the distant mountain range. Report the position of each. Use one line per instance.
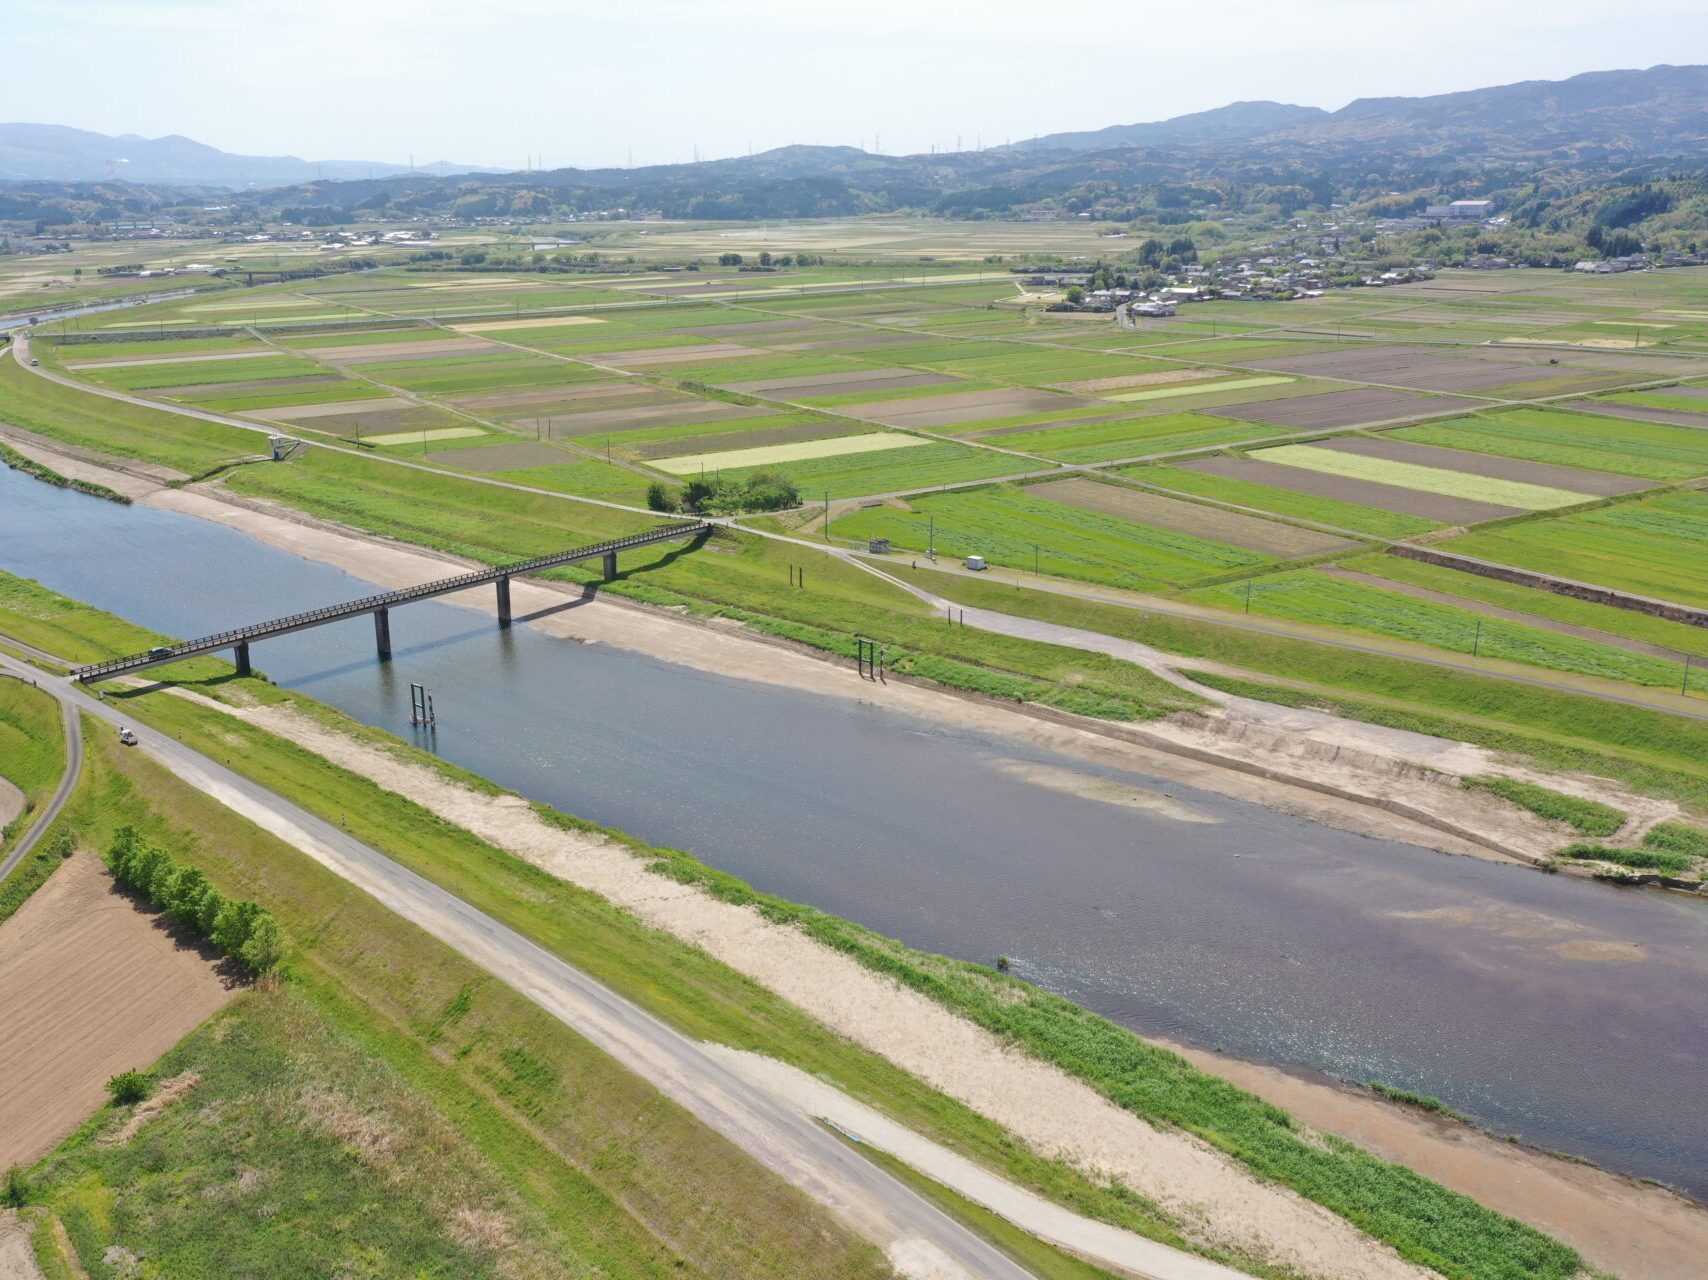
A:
(1662, 109)
(1541, 140)
(56, 153)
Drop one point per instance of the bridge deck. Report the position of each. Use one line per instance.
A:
(373, 604)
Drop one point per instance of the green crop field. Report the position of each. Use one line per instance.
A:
(147, 377)
(588, 479)
(1647, 450)
(1317, 597)
(1283, 502)
(1135, 437)
(1655, 548)
(1680, 637)
(1006, 523)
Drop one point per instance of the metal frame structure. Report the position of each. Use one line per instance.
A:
(240, 638)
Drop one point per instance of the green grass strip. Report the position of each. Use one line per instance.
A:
(1590, 817)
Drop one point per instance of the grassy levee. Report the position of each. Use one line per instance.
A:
(123, 430)
(616, 1179)
(32, 749)
(736, 576)
(57, 843)
(1424, 1221)
(1649, 750)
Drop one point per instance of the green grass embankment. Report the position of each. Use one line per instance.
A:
(32, 748)
(110, 426)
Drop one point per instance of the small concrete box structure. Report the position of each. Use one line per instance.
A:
(878, 546)
(975, 562)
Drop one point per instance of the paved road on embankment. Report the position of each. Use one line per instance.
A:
(869, 1200)
(73, 764)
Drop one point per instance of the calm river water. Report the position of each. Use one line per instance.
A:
(1571, 1013)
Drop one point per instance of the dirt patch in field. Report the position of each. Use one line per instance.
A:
(11, 802)
(17, 1256)
(1385, 497)
(331, 409)
(1640, 413)
(1340, 409)
(743, 327)
(89, 986)
(646, 357)
(805, 386)
(970, 406)
(1402, 366)
(742, 439)
(379, 352)
(632, 417)
(555, 395)
(1251, 532)
(386, 421)
(1090, 386)
(1576, 479)
(501, 457)
(246, 388)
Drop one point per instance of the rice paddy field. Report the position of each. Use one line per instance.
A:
(1549, 421)
(1023, 528)
(1656, 548)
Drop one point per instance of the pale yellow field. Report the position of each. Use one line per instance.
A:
(689, 464)
(1409, 475)
(542, 322)
(437, 433)
(1199, 389)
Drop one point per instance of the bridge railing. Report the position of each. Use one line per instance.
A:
(369, 604)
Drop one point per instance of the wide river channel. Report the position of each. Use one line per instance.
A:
(1571, 1013)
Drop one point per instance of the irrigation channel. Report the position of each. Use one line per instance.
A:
(1516, 997)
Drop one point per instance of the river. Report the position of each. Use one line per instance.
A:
(1571, 1013)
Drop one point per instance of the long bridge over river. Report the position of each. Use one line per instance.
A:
(240, 638)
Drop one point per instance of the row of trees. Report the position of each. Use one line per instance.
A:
(243, 930)
(766, 259)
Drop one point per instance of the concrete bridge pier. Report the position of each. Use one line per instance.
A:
(610, 566)
(382, 633)
(504, 602)
(243, 668)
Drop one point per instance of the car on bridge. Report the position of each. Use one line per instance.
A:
(160, 651)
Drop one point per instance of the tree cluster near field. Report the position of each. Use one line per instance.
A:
(243, 930)
(720, 495)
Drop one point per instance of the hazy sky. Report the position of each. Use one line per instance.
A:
(587, 82)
